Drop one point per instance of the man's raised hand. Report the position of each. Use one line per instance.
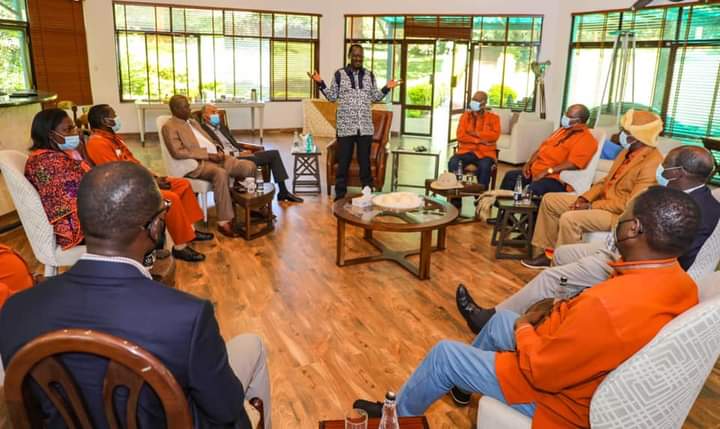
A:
(315, 76)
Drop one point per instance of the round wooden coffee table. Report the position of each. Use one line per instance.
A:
(433, 215)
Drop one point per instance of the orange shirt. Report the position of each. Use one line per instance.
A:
(561, 363)
(487, 127)
(104, 147)
(14, 273)
(575, 144)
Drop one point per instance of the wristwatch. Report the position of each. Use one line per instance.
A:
(550, 170)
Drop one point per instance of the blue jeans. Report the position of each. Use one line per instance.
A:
(539, 188)
(484, 166)
(471, 368)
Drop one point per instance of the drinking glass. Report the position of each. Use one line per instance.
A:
(356, 419)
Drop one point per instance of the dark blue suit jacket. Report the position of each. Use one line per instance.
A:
(710, 214)
(115, 298)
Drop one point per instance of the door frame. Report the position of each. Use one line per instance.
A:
(466, 91)
(403, 95)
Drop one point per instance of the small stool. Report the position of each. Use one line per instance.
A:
(514, 228)
(306, 164)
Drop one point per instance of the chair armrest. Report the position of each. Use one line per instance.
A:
(330, 149)
(251, 147)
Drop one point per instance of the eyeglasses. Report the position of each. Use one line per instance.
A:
(165, 206)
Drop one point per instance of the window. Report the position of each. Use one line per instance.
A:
(14, 47)
(677, 64)
(214, 54)
(501, 50)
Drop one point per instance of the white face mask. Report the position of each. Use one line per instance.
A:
(623, 137)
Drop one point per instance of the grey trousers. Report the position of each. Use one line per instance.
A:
(248, 361)
(584, 265)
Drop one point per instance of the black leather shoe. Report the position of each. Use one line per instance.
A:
(460, 397)
(203, 236)
(475, 316)
(291, 198)
(188, 254)
(373, 409)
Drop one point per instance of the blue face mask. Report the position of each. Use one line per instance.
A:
(215, 119)
(565, 122)
(476, 106)
(116, 126)
(659, 175)
(71, 143)
(623, 137)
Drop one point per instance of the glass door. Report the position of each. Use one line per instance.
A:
(459, 96)
(419, 71)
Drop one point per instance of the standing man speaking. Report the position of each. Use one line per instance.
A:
(354, 88)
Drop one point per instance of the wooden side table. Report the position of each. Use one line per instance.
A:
(306, 172)
(396, 154)
(468, 190)
(514, 228)
(419, 422)
(249, 201)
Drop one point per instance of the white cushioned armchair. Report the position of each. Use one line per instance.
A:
(526, 136)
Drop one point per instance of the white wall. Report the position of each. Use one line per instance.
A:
(103, 68)
(555, 42)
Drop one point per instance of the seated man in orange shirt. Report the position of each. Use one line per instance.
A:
(477, 133)
(15, 274)
(106, 146)
(569, 148)
(548, 362)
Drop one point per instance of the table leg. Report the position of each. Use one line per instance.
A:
(247, 223)
(262, 123)
(442, 238)
(437, 165)
(340, 258)
(394, 181)
(141, 124)
(252, 121)
(368, 234)
(425, 251)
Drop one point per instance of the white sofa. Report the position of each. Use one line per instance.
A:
(526, 136)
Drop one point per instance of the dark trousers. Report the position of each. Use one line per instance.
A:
(539, 188)
(484, 166)
(271, 158)
(344, 156)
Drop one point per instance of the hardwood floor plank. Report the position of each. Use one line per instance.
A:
(336, 334)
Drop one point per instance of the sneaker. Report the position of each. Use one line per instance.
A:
(460, 397)
(539, 263)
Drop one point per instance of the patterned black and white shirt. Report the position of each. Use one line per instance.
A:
(354, 91)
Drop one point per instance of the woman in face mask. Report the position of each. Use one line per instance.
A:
(55, 171)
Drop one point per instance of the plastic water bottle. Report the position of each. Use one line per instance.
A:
(389, 418)
(309, 143)
(296, 145)
(259, 180)
(459, 171)
(518, 191)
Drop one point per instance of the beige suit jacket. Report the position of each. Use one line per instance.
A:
(183, 146)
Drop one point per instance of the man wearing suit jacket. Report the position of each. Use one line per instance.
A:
(685, 168)
(563, 217)
(210, 122)
(203, 159)
(122, 216)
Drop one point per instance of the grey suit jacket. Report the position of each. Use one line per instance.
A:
(182, 144)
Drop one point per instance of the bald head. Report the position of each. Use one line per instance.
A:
(579, 112)
(116, 200)
(480, 96)
(695, 160)
(180, 107)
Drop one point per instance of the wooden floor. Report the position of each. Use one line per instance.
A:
(338, 334)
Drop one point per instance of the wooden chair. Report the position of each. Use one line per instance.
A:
(472, 168)
(130, 366)
(382, 121)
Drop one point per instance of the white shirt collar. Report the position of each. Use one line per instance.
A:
(687, 191)
(117, 260)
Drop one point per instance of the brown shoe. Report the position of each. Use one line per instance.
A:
(227, 230)
(539, 263)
